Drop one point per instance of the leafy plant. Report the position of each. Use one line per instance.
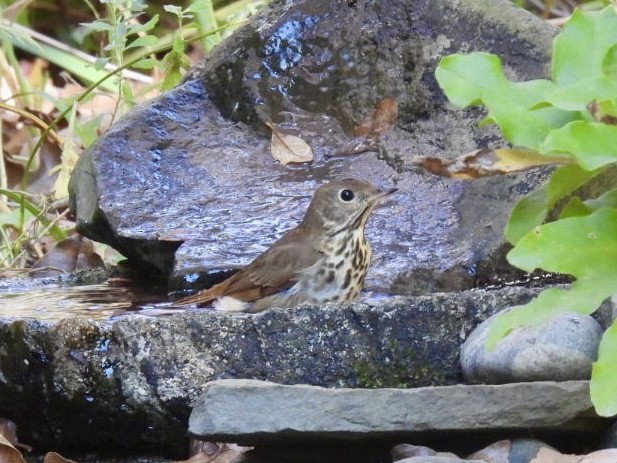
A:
(573, 116)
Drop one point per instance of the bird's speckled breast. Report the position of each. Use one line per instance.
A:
(339, 275)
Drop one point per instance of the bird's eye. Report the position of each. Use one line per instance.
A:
(347, 195)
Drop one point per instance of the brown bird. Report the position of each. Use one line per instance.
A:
(324, 259)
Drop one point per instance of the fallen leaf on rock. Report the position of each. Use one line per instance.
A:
(8, 453)
(66, 256)
(601, 456)
(486, 162)
(380, 121)
(368, 132)
(53, 457)
(495, 453)
(287, 148)
(546, 455)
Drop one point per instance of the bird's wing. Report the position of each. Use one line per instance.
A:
(272, 271)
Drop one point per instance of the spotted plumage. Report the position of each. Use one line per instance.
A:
(324, 259)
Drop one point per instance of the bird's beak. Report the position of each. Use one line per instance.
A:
(382, 193)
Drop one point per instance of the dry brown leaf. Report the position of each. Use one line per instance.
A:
(380, 121)
(287, 148)
(546, 455)
(67, 256)
(8, 453)
(487, 162)
(53, 457)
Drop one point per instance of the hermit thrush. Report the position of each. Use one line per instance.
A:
(324, 259)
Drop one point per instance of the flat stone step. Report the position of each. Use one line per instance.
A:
(254, 412)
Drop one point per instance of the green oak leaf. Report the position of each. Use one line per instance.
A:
(604, 374)
(576, 207)
(517, 107)
(593, 144)
(584, 247)
(532, 210)
(584, 47)
(575, 97)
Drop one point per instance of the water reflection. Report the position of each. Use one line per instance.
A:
(97, 302)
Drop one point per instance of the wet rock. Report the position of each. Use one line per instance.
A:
(257, 412)
(133, 380)
(190, 174)
(561, 349)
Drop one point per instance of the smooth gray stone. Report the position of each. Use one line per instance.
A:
(563, 348)
(256, 412)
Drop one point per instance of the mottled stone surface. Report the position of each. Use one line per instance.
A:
(191, 173)
(257, 412)
(561, 349)
(132, 380)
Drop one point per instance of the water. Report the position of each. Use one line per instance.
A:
(96, 302)
(102, 302)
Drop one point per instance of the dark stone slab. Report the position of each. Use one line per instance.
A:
(132, 381)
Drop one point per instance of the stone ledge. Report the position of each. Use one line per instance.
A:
(254, 412)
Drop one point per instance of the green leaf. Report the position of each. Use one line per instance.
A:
(55, 231)
(593, 144)
(577, 207)
(98, 26)
(100, 63)
(88, 130)
(528, 212)
(584, 247)
(533, 208)
(582, 46)
(517, 108)
(575, 97)
(609, 64)
(579, 246)
(15, 218)
(146, 63)
(19, 38)
(604, 374)
(198, 5)
(68, 62)
(145, 41)
(173, 9)
(127, 94)
(146, 27)
(580, 298)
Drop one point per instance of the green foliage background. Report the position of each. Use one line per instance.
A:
(574, 115)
